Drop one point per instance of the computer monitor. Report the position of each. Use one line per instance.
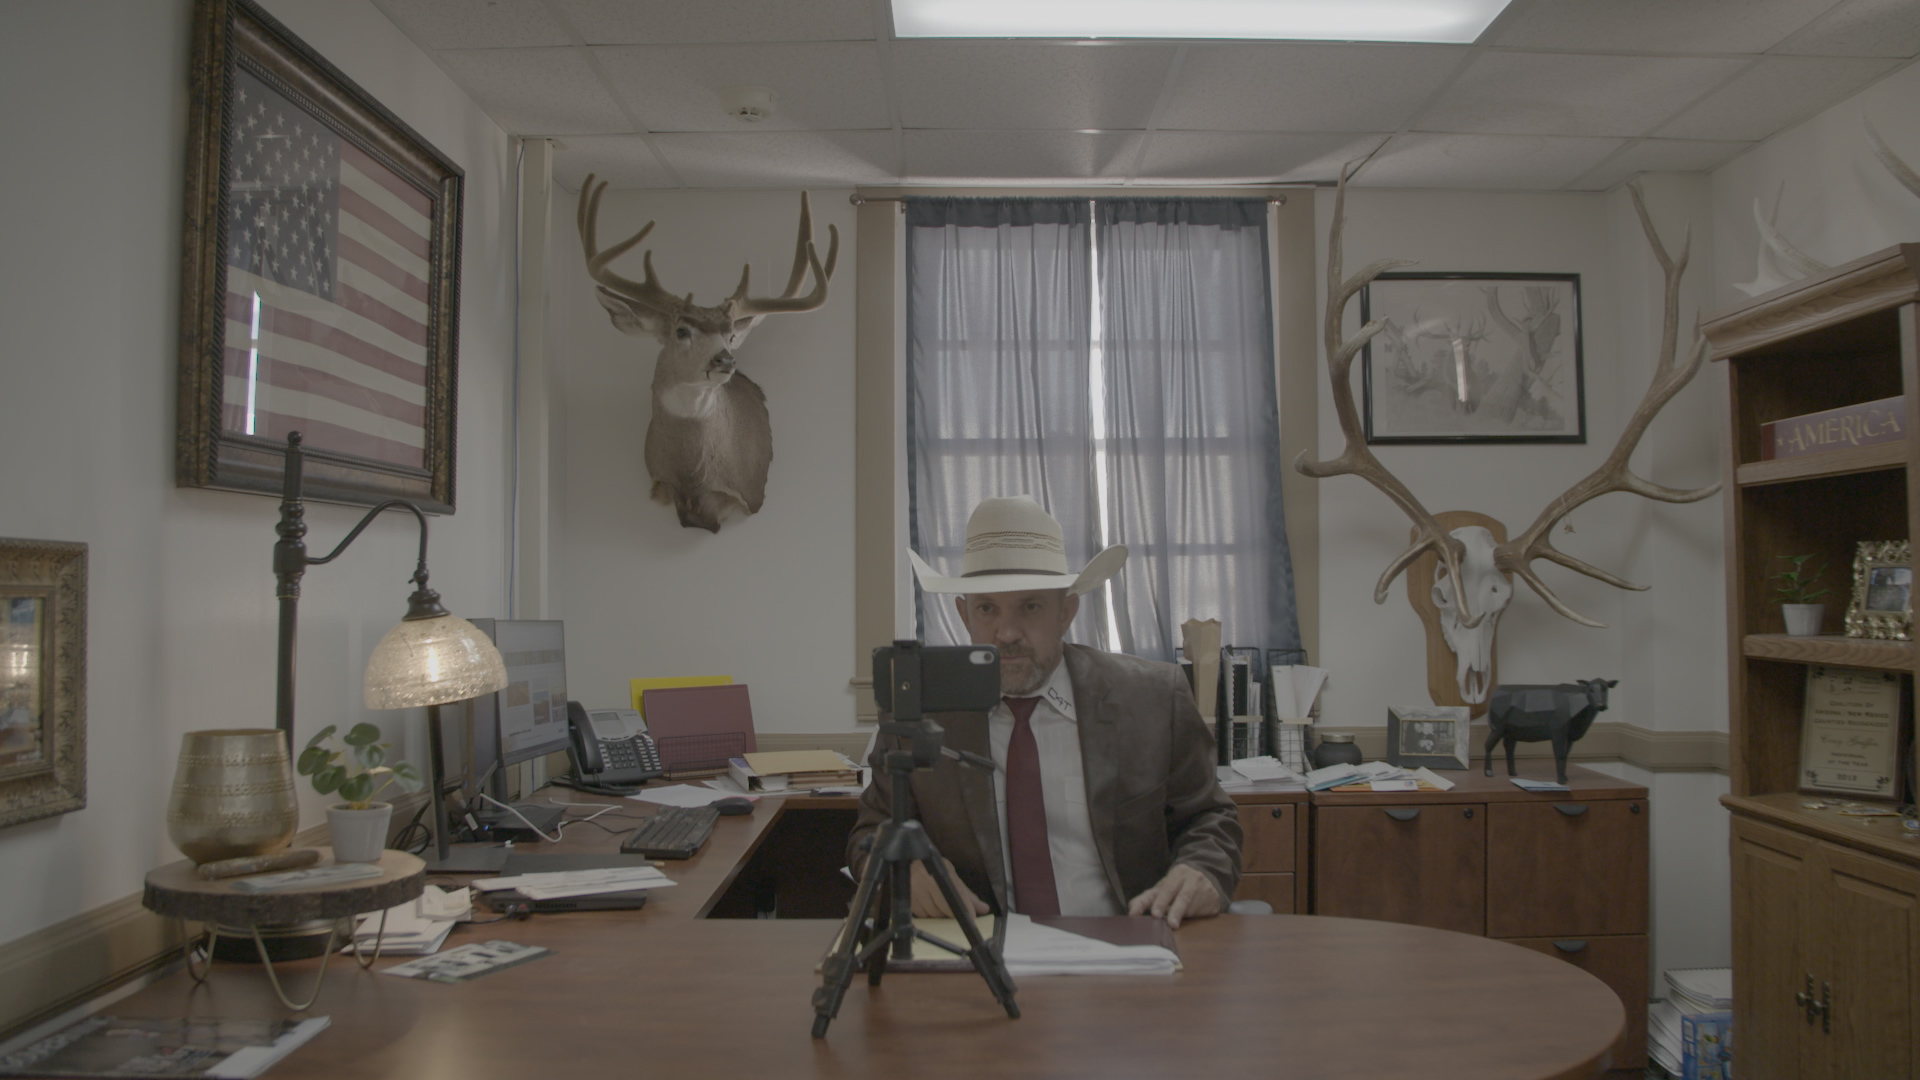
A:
(527, 719)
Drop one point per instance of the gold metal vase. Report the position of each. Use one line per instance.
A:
(232, 794)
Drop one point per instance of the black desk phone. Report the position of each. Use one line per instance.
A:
(611, 746)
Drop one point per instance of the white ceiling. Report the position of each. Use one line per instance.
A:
(1557, 94)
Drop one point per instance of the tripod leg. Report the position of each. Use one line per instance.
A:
(836, 971)
(991, 966)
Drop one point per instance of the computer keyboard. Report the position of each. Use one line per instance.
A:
(673, 832)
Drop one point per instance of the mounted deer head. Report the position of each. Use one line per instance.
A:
(1470, 560)
(709, 441)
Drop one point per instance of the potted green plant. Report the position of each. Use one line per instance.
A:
(354, 766)
(1798, 593)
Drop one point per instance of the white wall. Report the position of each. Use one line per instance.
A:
(769, 599)
(1838, 202)
(182, 613)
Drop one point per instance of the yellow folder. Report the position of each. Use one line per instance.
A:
(638, 687)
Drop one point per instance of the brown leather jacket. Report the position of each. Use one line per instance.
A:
(1151, 789)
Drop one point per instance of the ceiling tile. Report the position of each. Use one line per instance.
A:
(1493, 162)
(1251, 157)
(622, 160)
(816, 85)
(537, 91)
(476, 24)
(1039, 156)
(1660, 26)
(1519, 93)
(779, 159)
(1862, 28)
(677, 22)
(1294, 87)
(1659, 155)
(1025, 84)
(1773, 94)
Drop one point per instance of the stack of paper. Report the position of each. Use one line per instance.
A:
(1295, 686)
(1689, 1033)
(418, 927)
(1032, 949)
(559, 883)
(1378, 775)
(1264, 773)
(793, 770)
(1704, 989)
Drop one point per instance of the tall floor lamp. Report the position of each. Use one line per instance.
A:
(430, 658)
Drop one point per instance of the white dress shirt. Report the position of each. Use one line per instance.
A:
(1077, 873)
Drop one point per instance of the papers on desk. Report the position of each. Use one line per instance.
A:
(467, 961)
(684, 795)
(231, 1048)
(1377, 776)
(562, 883)
(1033, 949)
(416, 928)
(1264, 773)
(1525, 784)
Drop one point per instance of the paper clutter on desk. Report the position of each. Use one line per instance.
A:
(416, 928)
(1033, 949)
(1295, 688)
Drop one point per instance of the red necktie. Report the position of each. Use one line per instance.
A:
(1033, 885)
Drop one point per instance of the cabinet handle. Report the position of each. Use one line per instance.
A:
(1277, 810)
(1571, 946)
(1633, 808)
(1826, 1008)
(1571, 809)
(1403, 813)
(1807, 1001)
(1469, 813)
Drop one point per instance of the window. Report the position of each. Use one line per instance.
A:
(1113, 358)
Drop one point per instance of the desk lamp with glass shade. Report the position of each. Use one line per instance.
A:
(432, 657)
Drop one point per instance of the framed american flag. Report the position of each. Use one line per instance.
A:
(320, 291)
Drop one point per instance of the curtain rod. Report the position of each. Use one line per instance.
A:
(862, 200)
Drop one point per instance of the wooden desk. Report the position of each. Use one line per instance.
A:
(664, 992)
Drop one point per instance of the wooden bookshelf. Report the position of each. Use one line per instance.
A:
(1816, 893)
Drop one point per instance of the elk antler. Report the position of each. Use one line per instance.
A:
(646, 293)
(1516, 556)
(1357, 459)
(1901, 170)
(742, 306)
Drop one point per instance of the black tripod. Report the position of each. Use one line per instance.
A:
(897, 844)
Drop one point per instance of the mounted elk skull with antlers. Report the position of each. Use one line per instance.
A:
(1469, 557)
(709, 441)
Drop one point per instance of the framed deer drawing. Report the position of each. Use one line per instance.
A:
(1474, 358)
(1474, 564)
(709, 439)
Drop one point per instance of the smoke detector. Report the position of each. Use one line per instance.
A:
(747, 104)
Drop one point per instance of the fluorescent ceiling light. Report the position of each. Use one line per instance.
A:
(1267, 20)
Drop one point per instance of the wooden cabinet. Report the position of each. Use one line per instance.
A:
(1273, 849)
(1826, 950)
(1564, 874)
(1816, 896)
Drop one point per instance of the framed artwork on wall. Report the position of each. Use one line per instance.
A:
(43, 679)
(321, 273)
(1474, 358)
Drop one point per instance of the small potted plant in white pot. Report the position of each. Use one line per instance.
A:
(356, 772)
(1798, 593)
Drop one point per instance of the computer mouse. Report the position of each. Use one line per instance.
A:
(733, 805)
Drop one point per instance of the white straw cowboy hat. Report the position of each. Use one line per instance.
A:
(1015, 546)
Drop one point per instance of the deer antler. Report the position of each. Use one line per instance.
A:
(647, 293)
(1357, 460)
(1516, 556)
(1901, 170)
(742, 306)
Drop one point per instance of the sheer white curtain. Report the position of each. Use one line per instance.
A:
(1191, 441)
(1114, 360)
(998, 343)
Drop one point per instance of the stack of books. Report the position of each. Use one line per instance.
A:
(1689, 1032)
(793, 771)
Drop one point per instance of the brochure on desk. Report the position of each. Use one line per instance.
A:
(163, 1046)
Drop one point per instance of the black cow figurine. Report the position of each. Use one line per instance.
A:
(1559, 714)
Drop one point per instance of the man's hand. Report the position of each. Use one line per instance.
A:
(927, 901)
(1185, 893)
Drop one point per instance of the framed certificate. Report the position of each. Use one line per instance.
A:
(1850, 736)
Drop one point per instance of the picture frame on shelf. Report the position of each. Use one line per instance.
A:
(1850, 732)
(43, 679)
(1434, 736)
(321, 277)
(1474, 358)
(1882, 605)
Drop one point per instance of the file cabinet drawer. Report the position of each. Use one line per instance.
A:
(1567, 868)
(1621, 963)
(1268, 842)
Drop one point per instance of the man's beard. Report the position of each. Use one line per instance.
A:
(1036, 678)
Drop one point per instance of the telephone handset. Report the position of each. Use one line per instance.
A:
(611, 746)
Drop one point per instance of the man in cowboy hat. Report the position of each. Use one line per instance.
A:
(1106, 801)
